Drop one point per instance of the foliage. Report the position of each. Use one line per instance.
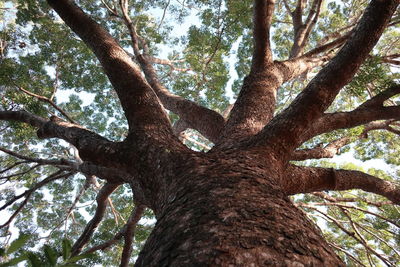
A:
(210, 46)
(47, 255)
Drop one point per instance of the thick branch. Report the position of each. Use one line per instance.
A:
(262, 55)
(111, 175)
(208, 122)
(295, 67)
(101, 200)
(371, 110)
(140, 104)
(254, 107)
(328, 151)
(23, 116)
(91, 146)
(256, 102)
(287, 128)
(302, 30)
(310, 179)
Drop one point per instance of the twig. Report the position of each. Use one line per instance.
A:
(47, 100)
(61, 162)
(27, 194)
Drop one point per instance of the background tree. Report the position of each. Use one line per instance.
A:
(309, 80)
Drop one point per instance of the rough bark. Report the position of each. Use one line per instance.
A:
(231, 212)
(289, 126)
(208, 122)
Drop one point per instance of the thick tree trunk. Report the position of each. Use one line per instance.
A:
(233, 213)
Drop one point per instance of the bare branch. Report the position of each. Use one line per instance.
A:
(347, 253)
(310, 179)
(302, 30)
(262, 18)
(8, 177)
(287, 127)
(382, 97)
(331, 45)
(208, 122)
(294, 67)
(141, 106)
(329, 151)
(39, 161)
(286, 4)
(129, 234)
(73, 205)
(336, 202)
(163, 15)
(12, 165)
(371, 110)
(101, 200)
(353, 235)
(132, 222)
(331, 199)
(23, 116)
(47, 100)
(91, 146)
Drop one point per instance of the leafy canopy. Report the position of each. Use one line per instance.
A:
(208, 47)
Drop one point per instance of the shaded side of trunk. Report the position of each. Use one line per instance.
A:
(232, 213)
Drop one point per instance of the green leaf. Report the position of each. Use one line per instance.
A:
(2, 252)
(72, 265)
(51, 255)
(34, 260)
(66, 248)
(80, 257)
(18, 243)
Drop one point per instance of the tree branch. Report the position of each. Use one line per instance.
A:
(129, 234)
(302, 30)
(23, 116)
(287, 127)
(329, 151)
(37, 160)
(101, 200)
(141, 106)
(355, 235)
(91, 146)
(47, 100)
(262, 18)
(208, 122)
(255, 105)
(371, 110)
(132, 222)
(310, 179)
(28, 193)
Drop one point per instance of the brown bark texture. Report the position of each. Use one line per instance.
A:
(229, 206)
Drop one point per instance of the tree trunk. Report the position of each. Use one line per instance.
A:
(231, 212)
